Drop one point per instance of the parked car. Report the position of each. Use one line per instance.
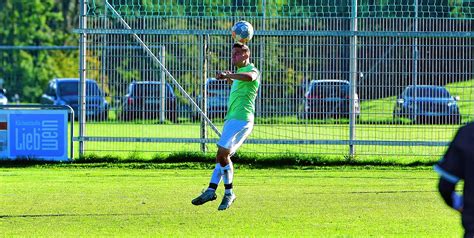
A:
(329, 99)
(142, 101)
(218, 92)
(427, 103)
(65, 91)
(3, 97)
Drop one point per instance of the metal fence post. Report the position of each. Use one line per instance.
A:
(82, 76)
(259, 103)
(162, 86)
(353, 78)
(104, 56)
(415, 60)
(203, 55)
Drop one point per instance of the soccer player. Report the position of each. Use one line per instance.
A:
(238, 123)
(458, 164)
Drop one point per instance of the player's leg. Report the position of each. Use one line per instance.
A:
(206, 196)
(216, 175)
(210, 193)
(236, 133)
(227, 171)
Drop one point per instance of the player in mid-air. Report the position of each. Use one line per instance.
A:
(458, 164)
(238, 123)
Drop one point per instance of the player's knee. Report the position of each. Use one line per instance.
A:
(223, 156)
(222, 161)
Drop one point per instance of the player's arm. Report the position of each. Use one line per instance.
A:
(221, 75)
(449, 195)
(247, 76)
(451, 171)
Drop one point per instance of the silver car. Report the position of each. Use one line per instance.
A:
(427, 104)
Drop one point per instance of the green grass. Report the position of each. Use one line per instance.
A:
(80, 200)
(380, 110)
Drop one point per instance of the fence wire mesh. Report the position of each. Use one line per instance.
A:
(412, 75)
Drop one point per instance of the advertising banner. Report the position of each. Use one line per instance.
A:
(34, 134)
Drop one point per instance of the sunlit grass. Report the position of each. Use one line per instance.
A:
(82, 201)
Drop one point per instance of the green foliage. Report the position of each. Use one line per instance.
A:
(50, 22)
(406, 8)
(288, 8)
(34, 23)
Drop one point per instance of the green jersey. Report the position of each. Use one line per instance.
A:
(241, 105)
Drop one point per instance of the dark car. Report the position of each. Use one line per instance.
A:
(143, 101)
(329, 99)
(427, 103)
(218, 92)
(65, 91)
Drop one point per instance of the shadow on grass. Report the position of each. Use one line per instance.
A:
(202, 160)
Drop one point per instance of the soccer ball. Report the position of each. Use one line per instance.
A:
(242, 32)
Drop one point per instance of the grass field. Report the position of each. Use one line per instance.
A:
(93, 200)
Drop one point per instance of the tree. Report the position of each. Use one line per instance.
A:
(33, 23)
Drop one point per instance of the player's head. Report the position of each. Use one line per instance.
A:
(240, 54)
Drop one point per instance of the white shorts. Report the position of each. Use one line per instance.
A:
(234, 134)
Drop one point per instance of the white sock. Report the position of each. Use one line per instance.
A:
(228, 176)
(216, 176)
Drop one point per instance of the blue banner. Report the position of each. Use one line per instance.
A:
(36, 134)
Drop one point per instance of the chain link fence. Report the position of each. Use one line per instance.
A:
(339, 78)
(378, 49)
